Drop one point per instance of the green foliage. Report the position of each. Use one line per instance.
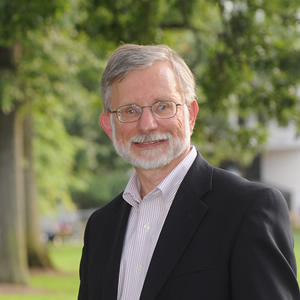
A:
(19, 16)
(100, 188)
(245, 56)
(126, 21)
(48, 77)
(61, 82)
(7, 90)
(58, 82)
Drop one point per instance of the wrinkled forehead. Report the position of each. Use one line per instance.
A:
(146, 86)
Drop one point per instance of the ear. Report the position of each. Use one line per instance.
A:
(104, 121)
(193, 112)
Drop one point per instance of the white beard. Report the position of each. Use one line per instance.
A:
(153, 158)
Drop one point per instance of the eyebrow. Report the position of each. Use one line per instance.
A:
(155, 101)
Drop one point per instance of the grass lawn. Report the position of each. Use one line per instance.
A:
(297, 251)
(63, 284)
(53, 285)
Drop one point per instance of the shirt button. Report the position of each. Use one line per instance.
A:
(139, 269)
(147, 227)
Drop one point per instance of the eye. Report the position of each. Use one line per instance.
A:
(131, 110)
(162, 106)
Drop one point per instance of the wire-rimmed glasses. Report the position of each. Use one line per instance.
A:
(132, 112)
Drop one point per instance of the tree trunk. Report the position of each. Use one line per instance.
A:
(13, 254)
(37, 252)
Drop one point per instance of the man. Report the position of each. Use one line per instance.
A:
(182, 229)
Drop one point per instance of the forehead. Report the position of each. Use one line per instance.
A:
(143, 87)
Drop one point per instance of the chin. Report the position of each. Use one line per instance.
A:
(154, 161)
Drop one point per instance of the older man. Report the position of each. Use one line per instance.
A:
(182, 229)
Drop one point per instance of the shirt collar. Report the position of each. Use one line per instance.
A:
(168, 187)
(171, 183)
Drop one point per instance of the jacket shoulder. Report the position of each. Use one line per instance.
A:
(228, 182)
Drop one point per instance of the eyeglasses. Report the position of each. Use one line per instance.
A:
(132, 113)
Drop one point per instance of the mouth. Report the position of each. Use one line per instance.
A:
(149, 142)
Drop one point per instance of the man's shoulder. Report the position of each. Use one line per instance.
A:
(231, 180)
(228, 184)
(202, 172)
(242, 192)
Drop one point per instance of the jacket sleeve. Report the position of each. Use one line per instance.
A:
(263, 264)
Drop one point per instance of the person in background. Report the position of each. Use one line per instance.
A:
(182, 228)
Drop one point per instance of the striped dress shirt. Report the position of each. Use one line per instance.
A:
(145, 222)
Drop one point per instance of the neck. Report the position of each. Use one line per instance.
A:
(149, 179)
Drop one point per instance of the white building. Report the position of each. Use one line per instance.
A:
(280, 164)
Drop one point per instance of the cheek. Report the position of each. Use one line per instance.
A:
(124, 133)
(177, 127)
(184, 128)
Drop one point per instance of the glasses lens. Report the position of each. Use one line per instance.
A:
(129, 113)
(164, 109)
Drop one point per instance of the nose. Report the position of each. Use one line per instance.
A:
(147, 121)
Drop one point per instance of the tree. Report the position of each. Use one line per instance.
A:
(36, 253)
(17, 17)
(13, 256)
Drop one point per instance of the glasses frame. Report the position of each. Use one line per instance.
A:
(141, 111)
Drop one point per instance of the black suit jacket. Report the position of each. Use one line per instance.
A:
(224, 238)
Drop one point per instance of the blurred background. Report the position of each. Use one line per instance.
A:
(57, 165)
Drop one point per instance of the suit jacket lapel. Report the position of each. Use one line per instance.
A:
(183, 219)
(113, 247)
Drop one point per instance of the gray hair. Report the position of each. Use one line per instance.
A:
(130, 57)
